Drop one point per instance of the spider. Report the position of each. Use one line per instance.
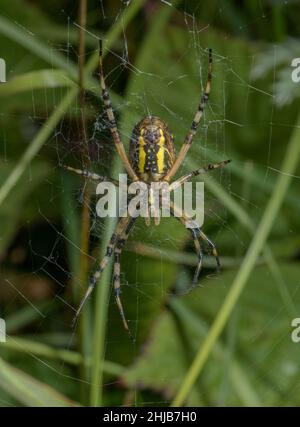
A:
(151, 159)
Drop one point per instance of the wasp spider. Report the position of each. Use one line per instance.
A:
(152, 159)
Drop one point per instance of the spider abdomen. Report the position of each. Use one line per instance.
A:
(152, 150)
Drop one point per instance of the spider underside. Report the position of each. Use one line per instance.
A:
(151, 159)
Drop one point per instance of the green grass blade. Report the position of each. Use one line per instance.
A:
(25, 316)
(101, 310)
(96, 396)
(288, 168)
(102, 294)
(242, 216)
(41, 79)
(28, 390)
(238, 376)
(37, 47)
(63, 107)
(36, 144)
(39, 349)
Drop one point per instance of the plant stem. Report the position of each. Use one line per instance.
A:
(101, 310)
(84, 327)
(96, 397)
(288, 168)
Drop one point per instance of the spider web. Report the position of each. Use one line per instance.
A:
(50, 263)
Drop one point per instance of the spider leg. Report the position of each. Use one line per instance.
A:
(90, 175)
(212, 246)
(199, 233)
(109, 252)
(200, 256)
(117, 271)
(187, 177)
(197, 244)
(112, 121)
(153, 208)
(194, 126)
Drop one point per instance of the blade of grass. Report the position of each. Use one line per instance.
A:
(288, 168)
(179, 257)
(28, 390)
(85, 320)
(49, 126)
(36, 46)
(63, 34)
(237, 375)
(240, 213)
(257, 178)
(231, 328)
(26, 315)
(101, 309)
(71, 223)
(35, 348)
(96, 396)
(36, 144)
(41, 49)
(242, 216)
(40, 79)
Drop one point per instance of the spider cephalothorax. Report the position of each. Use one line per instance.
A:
(151, 149)
(152, 159)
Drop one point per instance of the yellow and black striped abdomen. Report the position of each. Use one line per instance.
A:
(151, 149)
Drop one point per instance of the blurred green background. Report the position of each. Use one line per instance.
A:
(155, 62)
